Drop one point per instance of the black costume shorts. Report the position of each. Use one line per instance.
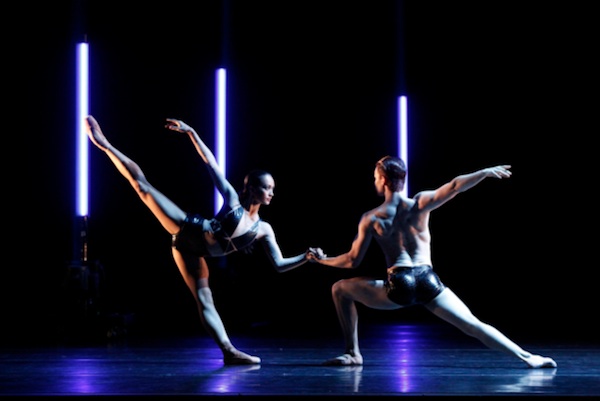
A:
(190, 237)
(412, 285)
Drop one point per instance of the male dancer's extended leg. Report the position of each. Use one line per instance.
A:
(452, 309)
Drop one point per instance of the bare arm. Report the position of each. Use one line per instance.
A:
(215, 171)
(355, 255)
(429, 200)
(274, 254)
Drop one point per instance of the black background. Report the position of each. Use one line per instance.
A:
(312, 92)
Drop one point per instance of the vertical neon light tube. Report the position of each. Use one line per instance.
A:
(80, 248)
(82, 143)
(220, 131)
(403, 135)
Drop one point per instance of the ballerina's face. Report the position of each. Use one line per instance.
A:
(264, 192)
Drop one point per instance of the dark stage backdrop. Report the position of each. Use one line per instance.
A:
(312, 91)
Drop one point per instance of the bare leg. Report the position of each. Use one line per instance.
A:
(452, 309)
(167, 213)
(209, 316)
(369, 292)
(348, 317)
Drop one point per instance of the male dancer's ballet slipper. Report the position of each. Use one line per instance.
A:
(344, 360)
(537, 362)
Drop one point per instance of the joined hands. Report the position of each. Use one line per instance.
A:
(314, 254)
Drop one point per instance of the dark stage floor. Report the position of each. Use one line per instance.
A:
(420, 360)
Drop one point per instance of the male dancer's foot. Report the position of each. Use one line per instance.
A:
(345, 360)
(537, 361)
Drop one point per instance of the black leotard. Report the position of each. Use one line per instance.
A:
(412, 285)
(191, 237)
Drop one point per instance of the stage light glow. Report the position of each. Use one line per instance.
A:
(82, 143)
(403, 135)
(220, 129)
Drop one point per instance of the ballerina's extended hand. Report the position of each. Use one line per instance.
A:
(178, 125)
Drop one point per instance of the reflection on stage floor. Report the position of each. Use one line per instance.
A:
(421, 360)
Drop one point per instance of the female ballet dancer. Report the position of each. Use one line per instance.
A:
(237, 226)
